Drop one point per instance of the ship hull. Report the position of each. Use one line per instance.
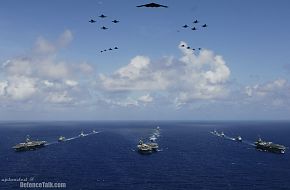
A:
(26, 148)
(145, 151)
(270, 149)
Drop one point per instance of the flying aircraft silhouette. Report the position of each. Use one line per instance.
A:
(102, 16)
(92, 21)
(185, 26)
(115, 21)
(105, 50)
(199, 48)
(116, 48)
(193, 28)
(104, 28)
(188, 47)
(196, 21)
(205, 25)
(182, 45)
(152, 5)
(193, 49)
(102, 51)
(110, 49)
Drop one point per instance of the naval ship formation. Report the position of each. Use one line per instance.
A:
(33, 145)
(152, 145)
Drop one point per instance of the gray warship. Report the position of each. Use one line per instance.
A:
(239, 139)
(82, 134)
(29, 145)
(61, 139)
(144, 148)
(269, 146)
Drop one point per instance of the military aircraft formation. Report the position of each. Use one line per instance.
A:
(102, 16)
(110, 49)
(151, 5)
(195, 27)
(189, 48)
(104, 27)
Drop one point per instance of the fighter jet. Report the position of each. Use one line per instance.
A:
(102, 16)
(182, 45)
(105, 50)
(152, 5)
(185, 26)
(199, 48)
(104, 28)
(116, 48)
(102, 51)
(193, 49)
(193, 28)
(92, 21)
(188, 47)
(196, 21)
(110, 49)
(204, 25)
(115, 21)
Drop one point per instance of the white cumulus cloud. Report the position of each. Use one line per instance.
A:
(146, 98)
(65, 38)
(59, 97)
(71, 83)
(192, 77)
(135, 76)
(44, 46)
(43, 78)
(21, 87)
(261, 90)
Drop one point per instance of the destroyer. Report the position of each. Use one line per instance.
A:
(215, 133)
(61, 139)
(82, 134)
(239, 139)
(29, 145)
(269, 146)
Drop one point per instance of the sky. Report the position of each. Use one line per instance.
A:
(51, 67)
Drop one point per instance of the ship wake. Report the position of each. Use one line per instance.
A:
(72, 138)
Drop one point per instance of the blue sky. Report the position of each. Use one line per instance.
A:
(51, 67)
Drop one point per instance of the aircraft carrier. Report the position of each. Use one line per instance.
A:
(29, 145)
(269, 146)
(144, 148)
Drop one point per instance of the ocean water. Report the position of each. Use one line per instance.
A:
(189, 156)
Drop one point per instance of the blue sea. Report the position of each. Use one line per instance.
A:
(189, 157)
